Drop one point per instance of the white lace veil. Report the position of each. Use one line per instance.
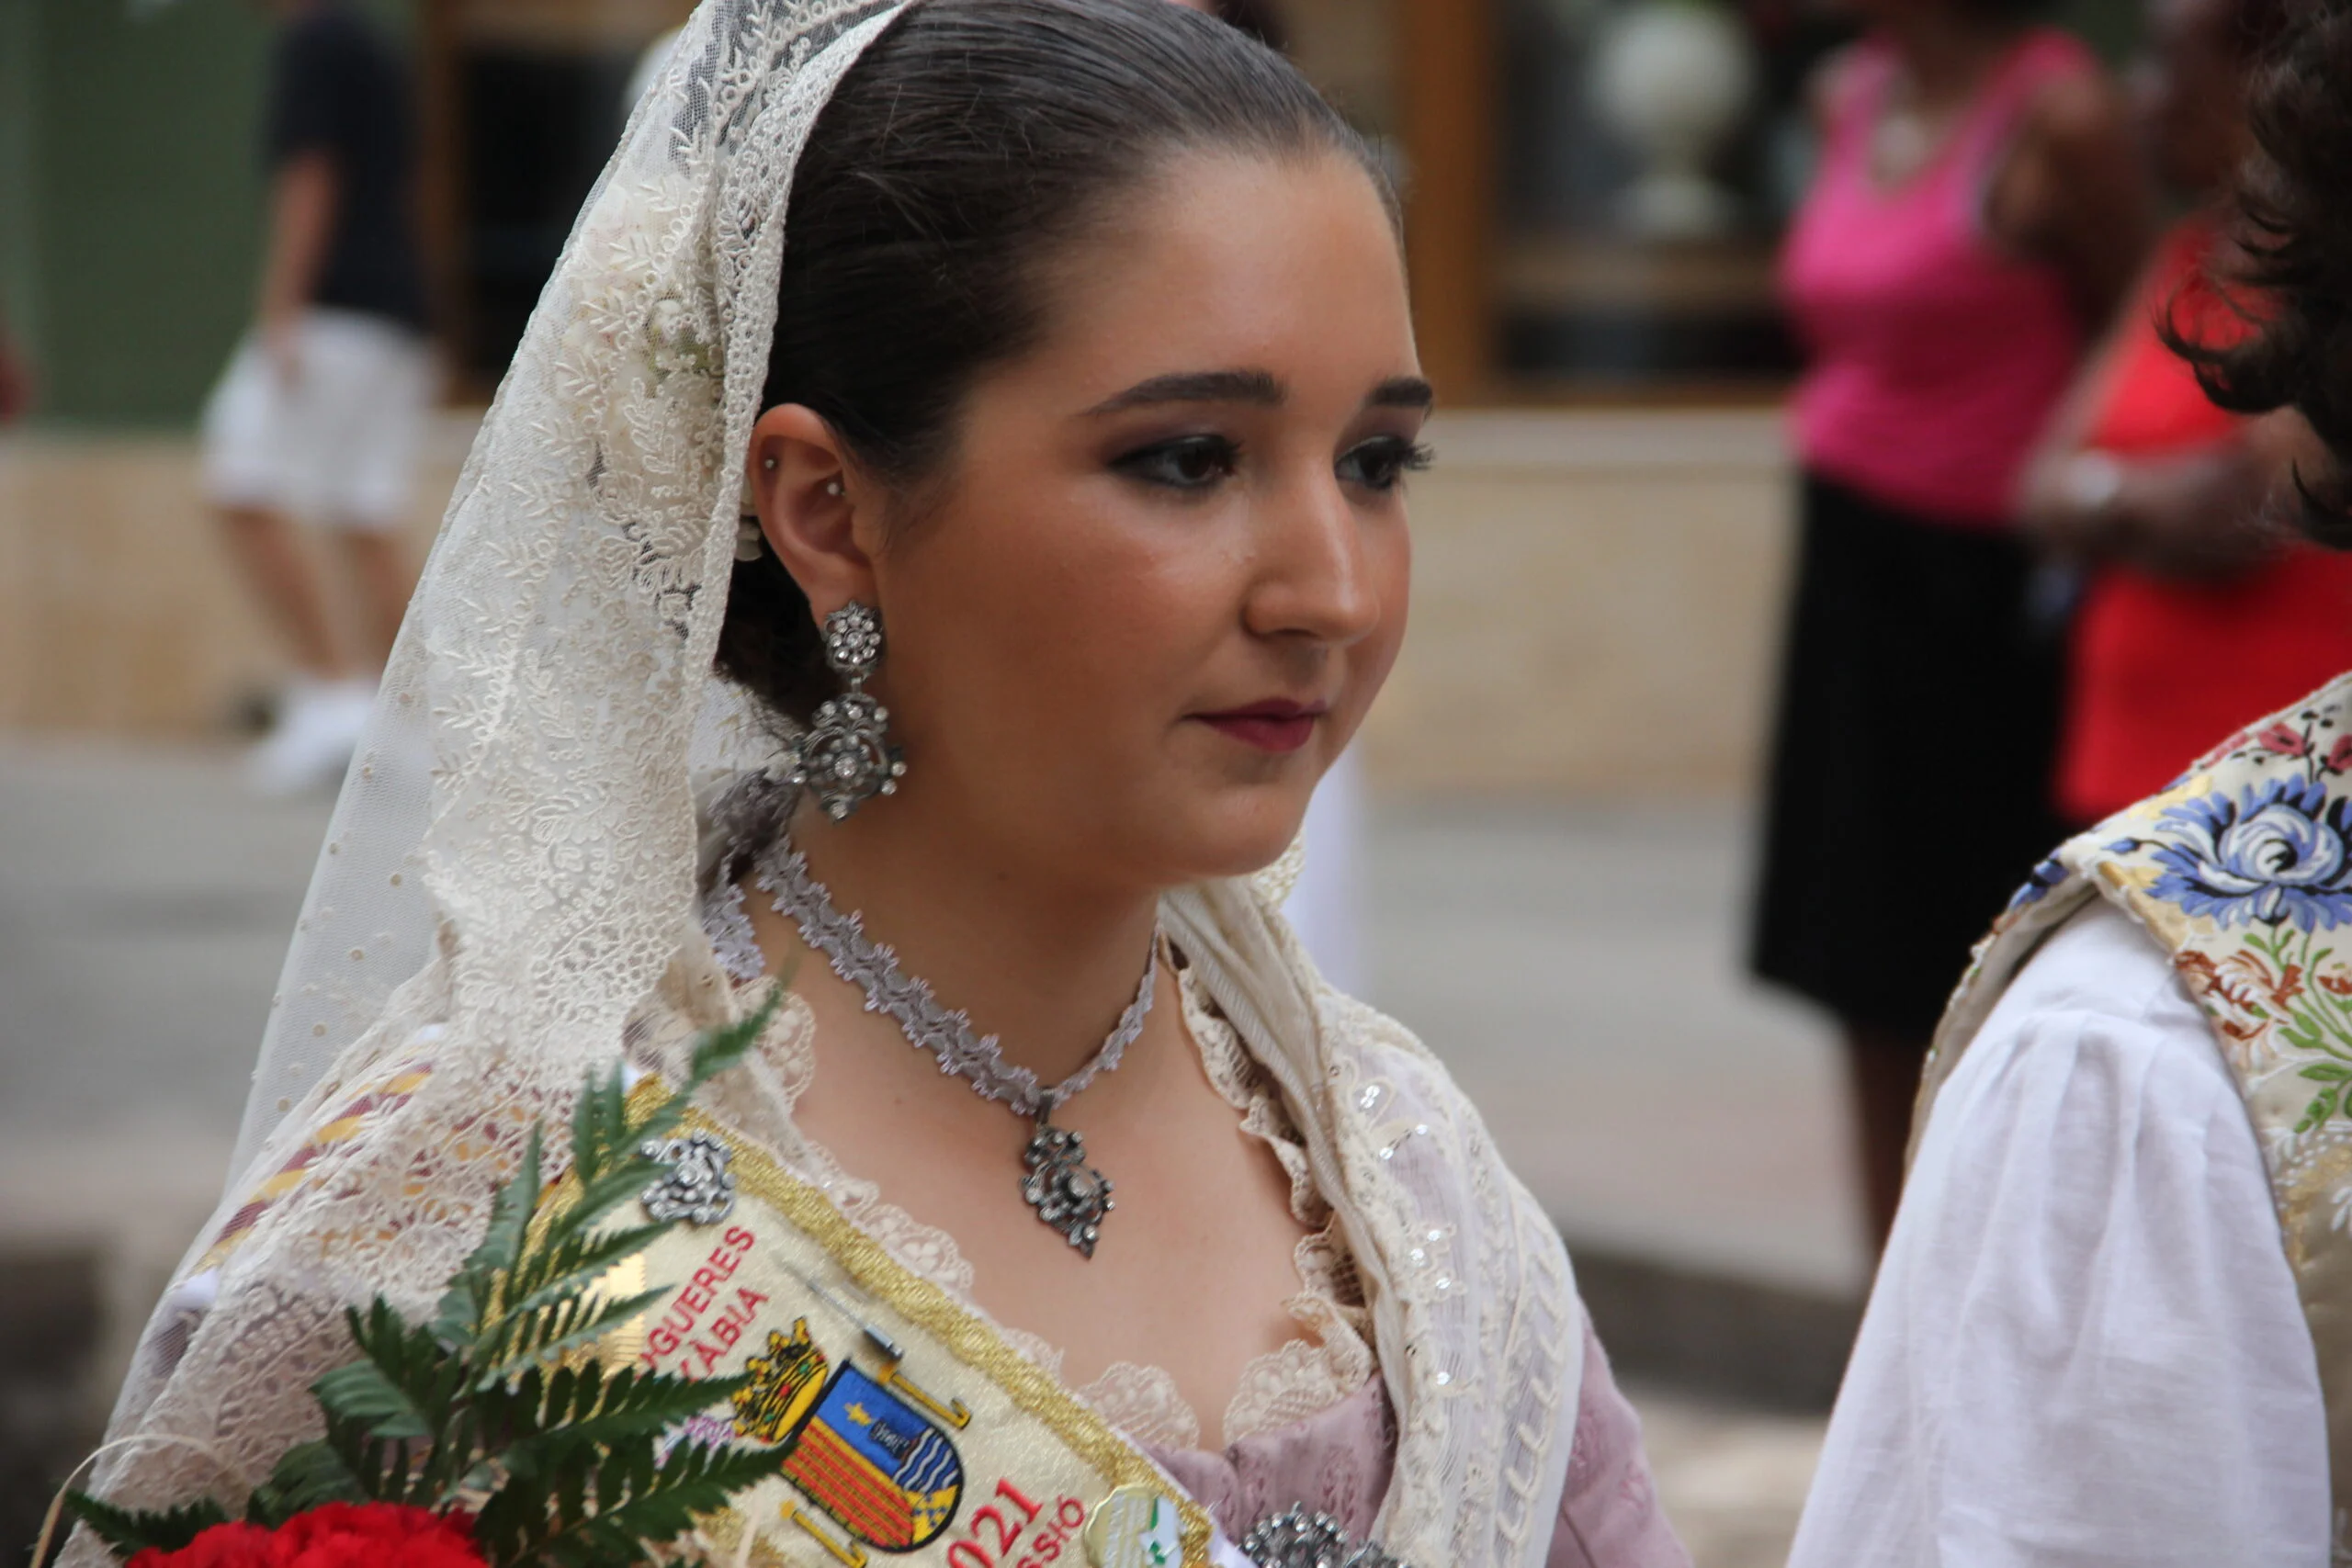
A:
(521, 801)
(512, 862)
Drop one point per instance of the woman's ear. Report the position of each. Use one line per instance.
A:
(809, 505)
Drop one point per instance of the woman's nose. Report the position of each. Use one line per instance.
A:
(1312, 581)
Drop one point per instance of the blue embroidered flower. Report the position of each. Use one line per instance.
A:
(2279, 851)
(2045, 876)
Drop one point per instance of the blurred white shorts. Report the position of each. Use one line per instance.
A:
(338, 445)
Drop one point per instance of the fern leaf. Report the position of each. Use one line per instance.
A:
(638, 1418)
(715, 1052)
(581, 1242)
(307, 1476)
(456, 1320)
(401, 1388)
(362, 1392)
(511, 1210)
(657, 1507)
(623, 1180)
(722, 1048)
(599, 1123)
(567, 1326)
(128, 1531)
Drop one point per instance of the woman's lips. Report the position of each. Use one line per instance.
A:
(1277, 726)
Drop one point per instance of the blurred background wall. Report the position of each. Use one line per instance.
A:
(1601, 543)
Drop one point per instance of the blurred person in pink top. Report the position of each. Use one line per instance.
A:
(1977, 212)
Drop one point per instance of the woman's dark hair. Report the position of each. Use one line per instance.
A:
(1257, 17)
(959, 156)
(2296, 228)
(2255, 26)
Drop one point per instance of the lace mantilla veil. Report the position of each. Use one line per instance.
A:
(511, 868)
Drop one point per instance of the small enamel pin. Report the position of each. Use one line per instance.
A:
(1135, 1527)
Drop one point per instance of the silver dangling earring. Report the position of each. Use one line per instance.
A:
(845, 754)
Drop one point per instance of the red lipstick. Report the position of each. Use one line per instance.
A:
(1277, 725)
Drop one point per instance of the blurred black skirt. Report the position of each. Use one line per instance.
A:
(1909, 791)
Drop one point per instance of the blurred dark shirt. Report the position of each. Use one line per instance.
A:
(336, 86)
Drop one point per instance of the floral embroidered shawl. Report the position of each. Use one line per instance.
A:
(2241, 872)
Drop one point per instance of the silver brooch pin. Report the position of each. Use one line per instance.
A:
(1298, 1539)
(698, 1187)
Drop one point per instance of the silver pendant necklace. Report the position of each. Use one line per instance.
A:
(1070, 1197)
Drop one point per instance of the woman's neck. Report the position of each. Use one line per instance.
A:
(1046, 967)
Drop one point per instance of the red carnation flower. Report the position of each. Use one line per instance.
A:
(222, 1546)
(339, 1535)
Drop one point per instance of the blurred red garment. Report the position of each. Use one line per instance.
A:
(2160, 669)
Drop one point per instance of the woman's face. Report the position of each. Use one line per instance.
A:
(1166, 572)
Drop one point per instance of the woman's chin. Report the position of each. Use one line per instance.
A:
(1242, 843)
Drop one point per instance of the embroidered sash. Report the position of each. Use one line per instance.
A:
(2241, 872)
(907, 1425)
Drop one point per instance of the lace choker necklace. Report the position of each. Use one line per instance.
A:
(1070, 1197)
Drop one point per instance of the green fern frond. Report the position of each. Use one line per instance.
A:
(562, 1464)
(132, 1530)
(563, 1327)
(472, 1299)
(655, 1507)
(717, 1049)
(307, 1476)
(404, 1385)
(647, 1413)
(576, 1261)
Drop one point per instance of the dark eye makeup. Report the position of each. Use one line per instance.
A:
(1187, 463)
(1199, 462)
(1382, 463)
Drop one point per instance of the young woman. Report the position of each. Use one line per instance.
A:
(2110, 1327)
(1977, 212)
(1014, 399)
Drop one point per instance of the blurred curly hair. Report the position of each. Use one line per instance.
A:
(2294, 221)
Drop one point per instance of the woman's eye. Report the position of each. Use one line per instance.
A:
(1193, 462)
(1383, 464)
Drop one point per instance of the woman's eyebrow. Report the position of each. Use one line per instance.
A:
(1257, 387)
(1403, 392)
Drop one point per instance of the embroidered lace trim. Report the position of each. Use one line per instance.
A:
(1328, 1361)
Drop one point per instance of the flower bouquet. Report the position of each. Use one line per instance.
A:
(491, 1437)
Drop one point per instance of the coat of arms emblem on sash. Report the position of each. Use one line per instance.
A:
(880, 1468)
